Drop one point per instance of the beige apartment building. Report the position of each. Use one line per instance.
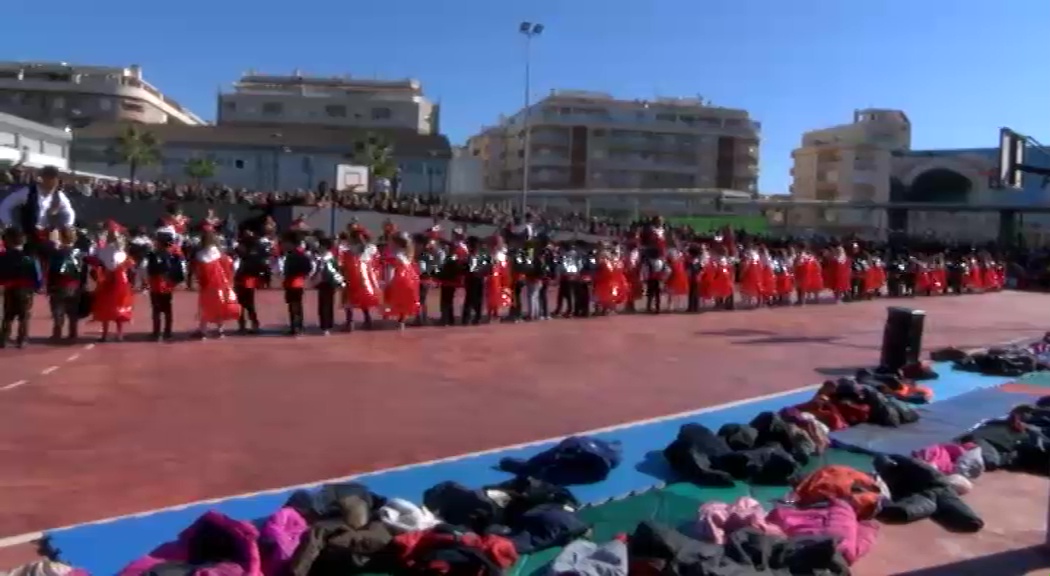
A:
(592, 140)
(65, 95)
(850, 162)
(261, 99)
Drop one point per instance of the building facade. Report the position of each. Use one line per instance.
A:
(60, 95)
(33, 144)
(465, 173)
(279, 100)
(850, 162)
(260, 158)
(592, 140)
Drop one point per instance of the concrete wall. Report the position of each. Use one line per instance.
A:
(91, 211)
(258, 168)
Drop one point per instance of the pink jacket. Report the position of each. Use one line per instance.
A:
(718, 519)
(211, 525)
(837, 519)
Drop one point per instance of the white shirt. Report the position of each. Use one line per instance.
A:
(66, 214)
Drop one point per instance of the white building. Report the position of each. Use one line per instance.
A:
(466, 173)
(340, 101)
(32, 144)
(592, 140)
(60, 94)
(261, 158)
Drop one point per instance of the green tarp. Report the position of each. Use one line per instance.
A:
(675, 505)
(1036, 379)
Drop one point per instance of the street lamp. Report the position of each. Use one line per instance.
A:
(530, 30)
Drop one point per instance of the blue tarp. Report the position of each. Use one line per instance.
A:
(938, 423)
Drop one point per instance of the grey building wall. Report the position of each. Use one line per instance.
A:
(29, 136)
(258, 168)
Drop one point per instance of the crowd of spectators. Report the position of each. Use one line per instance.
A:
(402, 204)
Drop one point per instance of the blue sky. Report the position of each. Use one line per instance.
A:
(960, 68)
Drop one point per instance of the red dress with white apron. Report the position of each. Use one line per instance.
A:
(114, 296)
(216, 301)
(362, 277)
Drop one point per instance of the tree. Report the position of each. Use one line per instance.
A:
(136, 147)
(378, 154)
(200, 169)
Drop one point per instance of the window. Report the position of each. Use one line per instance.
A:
(58, 103)
(335, 111)
(238, 164)
(272, 108)
(381, 113)
(132, 106)
(229, 106)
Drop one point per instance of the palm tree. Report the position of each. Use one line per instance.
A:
(200, 169)
(378, 154)
(136, 147)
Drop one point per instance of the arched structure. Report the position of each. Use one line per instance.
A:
(943, 180)
(941, 185)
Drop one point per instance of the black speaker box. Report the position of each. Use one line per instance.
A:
(902, 338)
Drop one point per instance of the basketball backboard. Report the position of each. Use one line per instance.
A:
(1011, 159)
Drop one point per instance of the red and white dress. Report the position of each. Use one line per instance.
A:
(678, 278)
(114, 295)
(401, 295)
(809, 278)
(361, 268)
(716, 278)
(497, 283)
(610, 283)
(838, 274)
(216, 301)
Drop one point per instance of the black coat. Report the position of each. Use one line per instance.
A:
(920, 491)
(745, 553)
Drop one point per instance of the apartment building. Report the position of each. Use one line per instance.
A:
(262, 99)
(61, 95)
(851, 162)
(592, 140)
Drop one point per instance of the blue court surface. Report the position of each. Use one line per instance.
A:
(105, 547)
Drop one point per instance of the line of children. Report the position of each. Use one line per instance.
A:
(495, 278)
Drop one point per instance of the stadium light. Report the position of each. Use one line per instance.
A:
(530, 30)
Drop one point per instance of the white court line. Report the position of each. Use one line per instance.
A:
(32, 536)
(14, 385)
(72, 358)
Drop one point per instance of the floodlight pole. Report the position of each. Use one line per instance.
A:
(530, 30)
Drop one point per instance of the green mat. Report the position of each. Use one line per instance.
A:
(1036, 379)
(673, 505)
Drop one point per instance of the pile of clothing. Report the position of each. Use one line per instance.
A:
(774, 447)
(1007, 361)
(771, 449)
(345, 528)
(458, 531)
(867, 399)
(1019, 442)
